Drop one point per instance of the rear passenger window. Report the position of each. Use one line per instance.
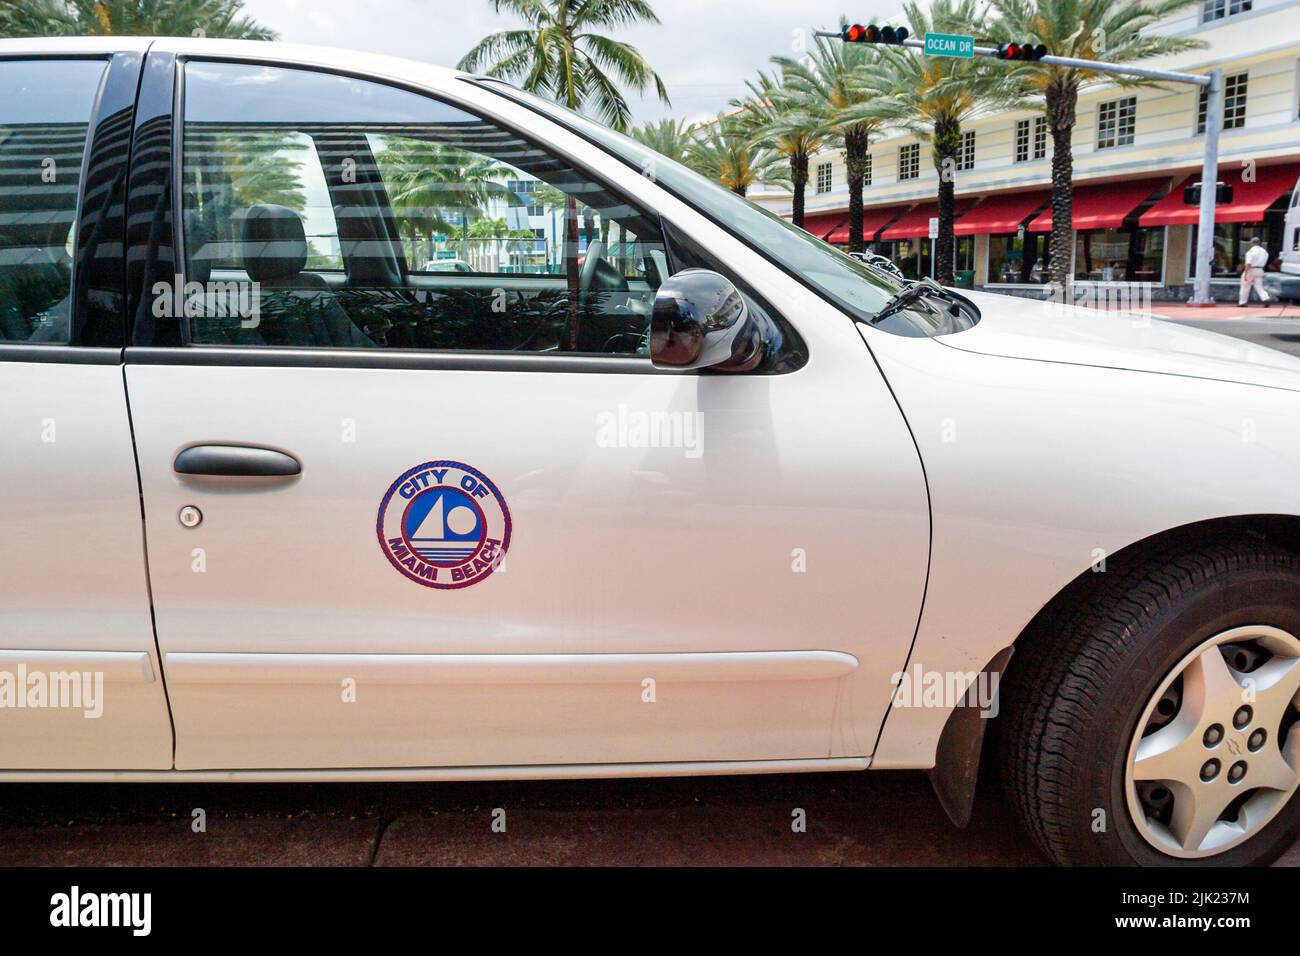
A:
(325, 211)
(45, 111)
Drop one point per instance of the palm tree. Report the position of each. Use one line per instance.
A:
(933, 96)
(793, 136)
(827, 90)
(667, 137)
(559, 55)
(213, 18)
(723, 150)
(426, 181)
(1110, 30)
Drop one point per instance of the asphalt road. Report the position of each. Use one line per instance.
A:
(1281, 333)
(869, 818)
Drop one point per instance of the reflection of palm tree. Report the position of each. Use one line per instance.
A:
(426, 181)
(227, 170)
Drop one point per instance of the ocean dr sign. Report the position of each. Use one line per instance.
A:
(947, 44)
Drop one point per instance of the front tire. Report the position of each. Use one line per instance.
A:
(1151, 718)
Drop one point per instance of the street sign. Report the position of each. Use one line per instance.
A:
(949, 44)
(934, 227)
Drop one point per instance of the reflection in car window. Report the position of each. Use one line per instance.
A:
(326, 211)
(45, 108)
(858, 290)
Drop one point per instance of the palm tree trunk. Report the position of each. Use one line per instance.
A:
(740, 189)
(855, 161)
(1062, 102)
(947, 142)
(799, 179)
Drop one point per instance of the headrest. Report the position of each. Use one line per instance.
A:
(275, 246)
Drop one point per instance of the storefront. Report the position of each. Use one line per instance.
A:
(1013, 255)
(1258, 208)
(907, 241)
(1110, 242)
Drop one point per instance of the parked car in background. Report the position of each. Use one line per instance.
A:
(446, 265)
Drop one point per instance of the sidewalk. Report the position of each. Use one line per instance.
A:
(1225, 310)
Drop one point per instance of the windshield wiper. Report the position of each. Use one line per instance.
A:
(909, 294)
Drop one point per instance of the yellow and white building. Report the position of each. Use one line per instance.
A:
(1134, 150)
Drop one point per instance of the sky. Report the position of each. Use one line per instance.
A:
(704, 49)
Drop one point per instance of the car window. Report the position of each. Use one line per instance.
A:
(45, 111)
(320, 210)
(854, 287)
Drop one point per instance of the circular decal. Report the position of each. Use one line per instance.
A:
(444, 525)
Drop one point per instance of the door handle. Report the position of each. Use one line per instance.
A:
(236, 461)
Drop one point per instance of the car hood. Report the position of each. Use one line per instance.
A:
(1022, 328)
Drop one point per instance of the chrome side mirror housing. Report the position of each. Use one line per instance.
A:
(700, 320)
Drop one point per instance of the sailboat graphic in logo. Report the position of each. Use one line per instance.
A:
(444, 526)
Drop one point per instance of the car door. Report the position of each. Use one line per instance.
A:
(80, 682)
(457, 519)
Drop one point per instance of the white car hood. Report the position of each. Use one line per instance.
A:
(1029, 329)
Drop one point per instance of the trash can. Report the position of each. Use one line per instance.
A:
(965, 278)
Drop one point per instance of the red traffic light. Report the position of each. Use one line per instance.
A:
(857, 33)
(1021, 51)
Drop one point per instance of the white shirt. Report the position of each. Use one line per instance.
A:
(1256, 257)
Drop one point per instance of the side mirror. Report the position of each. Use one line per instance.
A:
(700, 320)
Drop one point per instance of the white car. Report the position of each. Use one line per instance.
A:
(716, 500)
(447, 265)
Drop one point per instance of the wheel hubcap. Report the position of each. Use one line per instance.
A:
(1213, 771)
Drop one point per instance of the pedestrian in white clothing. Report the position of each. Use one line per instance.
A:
(1252, 276)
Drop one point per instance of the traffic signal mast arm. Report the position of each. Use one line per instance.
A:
(1211, 82)
(999, 53)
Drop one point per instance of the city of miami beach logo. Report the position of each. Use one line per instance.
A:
(444, 525)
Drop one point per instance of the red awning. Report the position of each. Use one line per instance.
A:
(1000, 214)
(872, 220)
(916, 224)
(1249, 200)
(823, 224)
(1103, 205)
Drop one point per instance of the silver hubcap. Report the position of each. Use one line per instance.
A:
(1216, 753)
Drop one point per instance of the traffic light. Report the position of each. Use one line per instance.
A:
(1021, 51)
(874, 34)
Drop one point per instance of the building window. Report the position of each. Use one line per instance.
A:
(866, 165)
(825, 177)
(909, 161)
(1116, 123)
(1016, 258)
(1232, 240)
(1120, 255)
(1234, 103)
(1031, 139)
(966, 155)
(1212, 10)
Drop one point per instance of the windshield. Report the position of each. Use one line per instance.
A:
(853, 286)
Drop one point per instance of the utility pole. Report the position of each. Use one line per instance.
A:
(1212, 82)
